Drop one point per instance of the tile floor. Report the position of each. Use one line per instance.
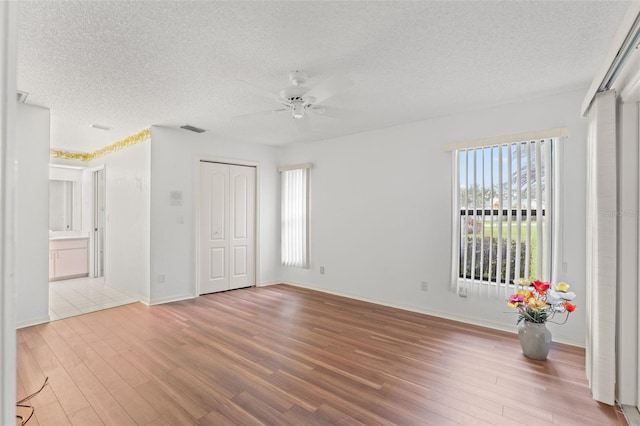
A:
(82, 295)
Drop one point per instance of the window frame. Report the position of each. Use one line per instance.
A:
(549, 214)
(294, 243)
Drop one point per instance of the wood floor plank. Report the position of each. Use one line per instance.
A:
(184, 400)
(32, 377)
(22, 414)
(20, 390)
(136, 406)
(159, 422)
(103, 403)
(31, 337)
(215, 418)
(170, 409)
(124, 368)
(52, 414)
(259, 410)
(283, 355)
(64, 388)
(84, 417)
(58, 344)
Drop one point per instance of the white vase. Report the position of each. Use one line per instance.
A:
(535, 339)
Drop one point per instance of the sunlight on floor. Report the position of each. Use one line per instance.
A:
(82, 295)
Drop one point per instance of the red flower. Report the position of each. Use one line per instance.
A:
(541, 287)
(570, 307)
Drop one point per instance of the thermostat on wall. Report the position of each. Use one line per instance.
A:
(175, 198)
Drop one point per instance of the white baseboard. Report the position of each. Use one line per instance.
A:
(440, 314)
(186, 296)
(631, 414)
(36, 321)
(268, 283)
(169, 299)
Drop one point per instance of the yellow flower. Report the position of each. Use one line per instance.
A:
(536, 303)
(563, 287)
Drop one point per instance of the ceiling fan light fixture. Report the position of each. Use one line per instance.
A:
(298, 109)
(298, 78)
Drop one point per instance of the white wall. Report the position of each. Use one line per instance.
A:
(8, 143)
(381, 211)
(127, 188)
(174, 157)
(32, 226)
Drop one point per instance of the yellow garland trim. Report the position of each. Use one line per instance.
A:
(88, 156)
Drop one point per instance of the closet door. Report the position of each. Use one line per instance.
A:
(214, 227)
(242, 216)
(227, 227)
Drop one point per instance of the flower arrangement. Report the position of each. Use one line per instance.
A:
(538, 301)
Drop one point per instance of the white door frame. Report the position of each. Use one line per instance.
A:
(93, 245)
(637, 271)
(196, 199)
(8, 70)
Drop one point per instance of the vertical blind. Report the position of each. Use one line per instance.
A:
(601, 239)
(502, 228)
(294, 213)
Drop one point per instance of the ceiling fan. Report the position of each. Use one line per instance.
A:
(301, 99)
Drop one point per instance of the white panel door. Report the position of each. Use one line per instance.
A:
(214, 226)
(227, 227)
(99, 204)
(242, 204)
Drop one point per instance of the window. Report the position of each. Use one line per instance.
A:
(503, 206)
(294, 212)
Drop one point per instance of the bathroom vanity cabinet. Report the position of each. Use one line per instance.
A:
(68, 258)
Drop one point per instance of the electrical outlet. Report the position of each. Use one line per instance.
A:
(322, 270)
(162, 278)
(424, 286)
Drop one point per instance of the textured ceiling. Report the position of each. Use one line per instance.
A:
(129, 65)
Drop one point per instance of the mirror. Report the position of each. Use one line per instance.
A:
(65, 200)
(61, 205)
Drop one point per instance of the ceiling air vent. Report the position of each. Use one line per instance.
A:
(21, 96)
(192, 128)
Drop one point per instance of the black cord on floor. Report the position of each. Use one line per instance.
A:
(21, 404)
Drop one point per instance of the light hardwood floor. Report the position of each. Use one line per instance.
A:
(283, 355)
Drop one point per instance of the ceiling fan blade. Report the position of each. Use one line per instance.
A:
(335, 112)
(257, 114)
(328, 88)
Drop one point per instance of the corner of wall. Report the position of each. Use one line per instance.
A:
(32, 226)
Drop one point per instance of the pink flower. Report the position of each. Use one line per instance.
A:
(516, 299)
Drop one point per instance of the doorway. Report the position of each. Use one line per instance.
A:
(226, 227)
